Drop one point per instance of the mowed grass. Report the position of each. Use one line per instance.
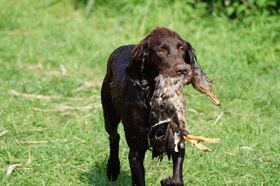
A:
(53, 60)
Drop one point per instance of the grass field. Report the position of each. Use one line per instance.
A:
(53, 60)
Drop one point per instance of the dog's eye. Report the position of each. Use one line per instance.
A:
(162, 51)
(181, 49)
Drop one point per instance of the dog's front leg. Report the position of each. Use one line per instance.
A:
(136, 159)
(178, 159)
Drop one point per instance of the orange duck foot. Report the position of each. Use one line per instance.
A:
(194, 140)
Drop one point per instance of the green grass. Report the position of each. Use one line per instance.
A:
(36, 45)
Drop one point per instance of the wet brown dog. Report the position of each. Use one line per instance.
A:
(127, 90)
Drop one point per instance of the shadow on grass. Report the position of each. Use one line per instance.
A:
(97, 175)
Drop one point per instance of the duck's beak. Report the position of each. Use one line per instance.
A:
(214, 99)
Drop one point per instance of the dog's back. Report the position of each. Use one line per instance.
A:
(117, 64)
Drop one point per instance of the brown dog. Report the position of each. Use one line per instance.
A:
(126, 94)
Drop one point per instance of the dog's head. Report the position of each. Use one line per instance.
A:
(161, 52)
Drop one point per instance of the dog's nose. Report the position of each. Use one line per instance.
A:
(182, 70)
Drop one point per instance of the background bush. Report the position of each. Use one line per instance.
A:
(195, 8)
(243, 8)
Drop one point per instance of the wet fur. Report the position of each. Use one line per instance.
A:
(126, 93)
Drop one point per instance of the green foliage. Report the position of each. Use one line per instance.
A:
(230, 8)
(195, 8)
(188, 9)
(245, 8)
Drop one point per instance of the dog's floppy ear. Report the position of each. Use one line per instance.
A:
(135, 68)
(190, 56)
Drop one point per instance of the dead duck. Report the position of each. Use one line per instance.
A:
(168, 116)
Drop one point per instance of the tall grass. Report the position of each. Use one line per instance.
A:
(59, 138)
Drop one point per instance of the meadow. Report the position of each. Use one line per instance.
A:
(52, 63)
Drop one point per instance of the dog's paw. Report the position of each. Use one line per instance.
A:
(113, 168)
(170, 182)
(166, 181)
